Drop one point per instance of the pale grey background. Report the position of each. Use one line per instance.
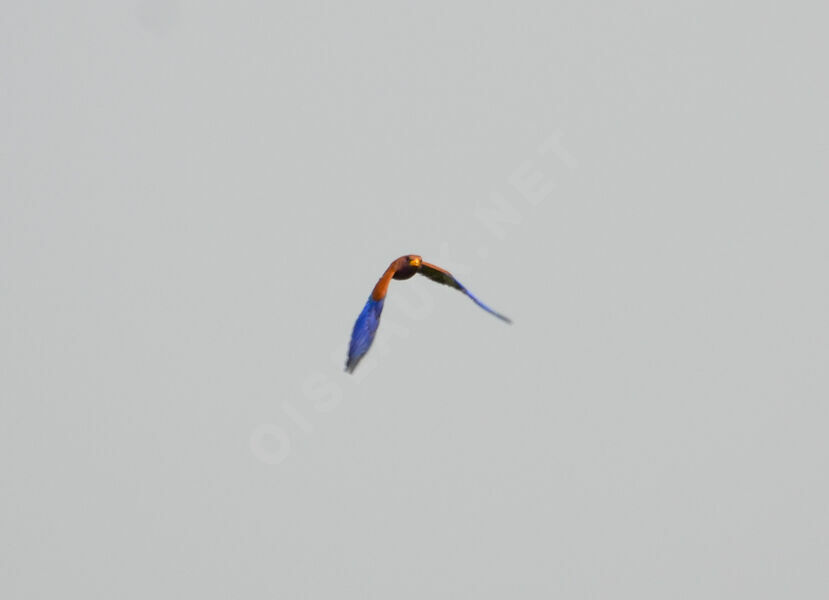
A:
(197, 197)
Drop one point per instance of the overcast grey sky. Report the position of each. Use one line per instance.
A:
(197, 198)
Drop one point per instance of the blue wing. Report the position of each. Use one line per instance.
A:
(443, 276)
(363, 334)
(484, 306)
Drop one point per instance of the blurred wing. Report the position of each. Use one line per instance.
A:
(363, 334)
(435, 273)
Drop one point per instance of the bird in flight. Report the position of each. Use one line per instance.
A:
(404, 267)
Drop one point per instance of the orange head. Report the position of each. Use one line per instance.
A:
(406, 266)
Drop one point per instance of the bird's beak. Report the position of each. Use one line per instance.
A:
(415, 262)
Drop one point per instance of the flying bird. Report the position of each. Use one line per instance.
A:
(404, 267)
